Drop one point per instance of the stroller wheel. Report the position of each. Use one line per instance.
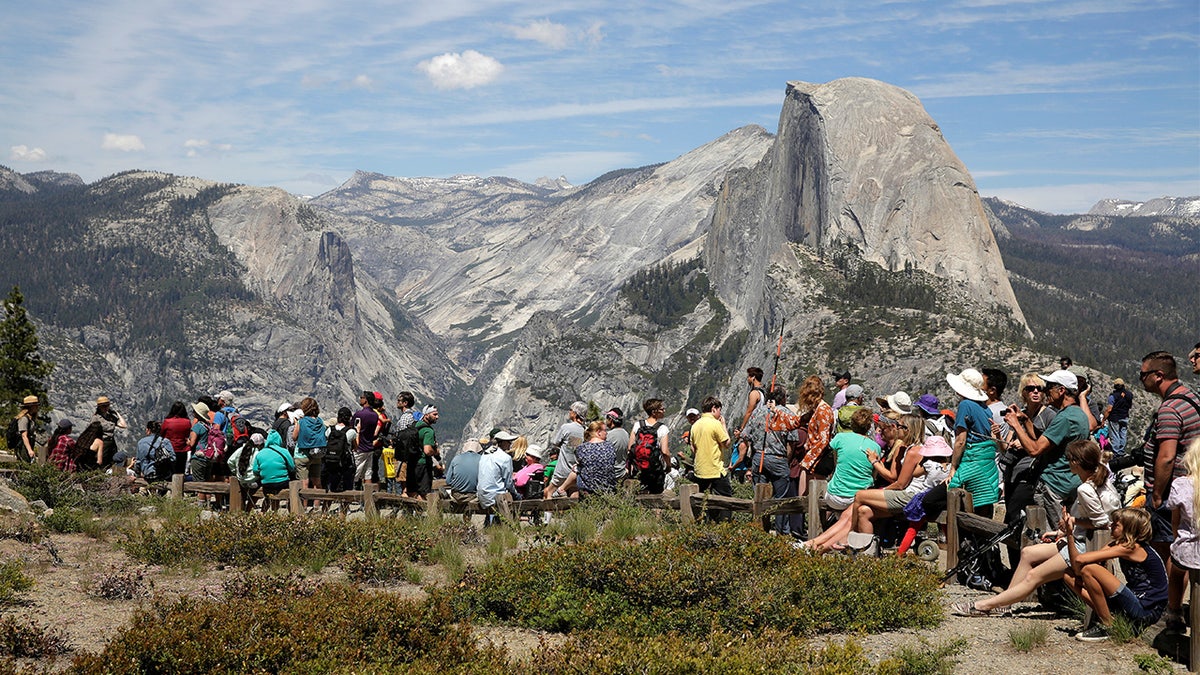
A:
(928, 551)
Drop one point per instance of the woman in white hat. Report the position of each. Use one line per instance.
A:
(973, 466)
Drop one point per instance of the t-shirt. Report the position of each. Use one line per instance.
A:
(976, 419)
(1121, 401)
(367, 421)
(854, 471)
(1070, 424)
(594, 467)
(708, 435)
(619, 439)
(176, 430)
(1186, 547)
(775, 463)
(1176, 420)
(428, 437)
(201, 431)
(463, 473)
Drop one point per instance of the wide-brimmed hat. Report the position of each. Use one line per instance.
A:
(200, 409)
(928, 403)
(936, 446)
(899, 401)
(534, 451)
(102, 400)
(505, 435)
(968, 384)
(29, 400)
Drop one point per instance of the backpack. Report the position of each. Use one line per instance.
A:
(239, 430)
(12, 436)
(407, 444)
(647, 456)
(214, 445)
(161, 456)
(337, 448)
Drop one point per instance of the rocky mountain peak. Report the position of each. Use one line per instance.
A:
(1186, 207)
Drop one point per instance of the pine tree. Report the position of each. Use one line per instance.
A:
(22, 370)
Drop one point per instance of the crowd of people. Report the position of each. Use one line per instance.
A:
(891, 463)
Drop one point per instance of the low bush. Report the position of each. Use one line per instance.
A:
(20, 527)
(925, 659)
(718, 653)
(92, 491)
(13, 580)
(1025, 638)
(27, 639)
(258, 539)
(696, 580)
(337, 628)
(121, 585)
(244, 585)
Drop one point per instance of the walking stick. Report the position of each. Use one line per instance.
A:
(762, 455)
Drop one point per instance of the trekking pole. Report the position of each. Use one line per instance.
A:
(762, 455)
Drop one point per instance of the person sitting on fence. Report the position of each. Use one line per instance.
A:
(462, 475)
(565, 440)
(495, 482)
(855, 471)
(241, 466)
(595, 462)
(1049, 561)
(926, 464)
(1185, 550)
(62, 447)
(273, 467)
(528, 479)
(1141, 598)
(152, 451)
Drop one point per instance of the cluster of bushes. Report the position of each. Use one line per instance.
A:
(91, 491)
(373, 550)
(27, 639)
(335, 628)
(13, 580)
(698, 580)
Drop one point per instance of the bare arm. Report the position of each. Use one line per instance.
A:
(1164, 466)
(1031, 445)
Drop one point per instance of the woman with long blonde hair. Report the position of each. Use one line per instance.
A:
(1185, 550)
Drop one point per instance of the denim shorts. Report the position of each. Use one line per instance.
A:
(1125, 602)
(1160, 521)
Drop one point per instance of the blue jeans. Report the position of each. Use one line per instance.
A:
(1117, 435)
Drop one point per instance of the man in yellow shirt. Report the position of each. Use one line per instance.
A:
(709, 437)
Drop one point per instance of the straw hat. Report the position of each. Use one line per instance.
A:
(968, 384)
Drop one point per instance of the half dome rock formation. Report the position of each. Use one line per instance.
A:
(856, 163)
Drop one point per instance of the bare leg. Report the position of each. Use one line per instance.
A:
(1099, 584)
(835, 534)
(1044, 566)
(1176, 586)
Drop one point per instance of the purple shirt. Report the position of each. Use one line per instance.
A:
(367, 422)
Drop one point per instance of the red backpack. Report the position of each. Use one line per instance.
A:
(646, 455)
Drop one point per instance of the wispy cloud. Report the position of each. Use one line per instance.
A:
(545, 31)
(573, 165)
(24, 153)
(1003, 79)
(122, 142)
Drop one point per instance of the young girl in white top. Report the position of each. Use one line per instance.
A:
(1185, 550)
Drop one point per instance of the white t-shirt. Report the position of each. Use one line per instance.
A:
(1186, 547)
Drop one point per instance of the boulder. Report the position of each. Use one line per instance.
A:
(11, 500)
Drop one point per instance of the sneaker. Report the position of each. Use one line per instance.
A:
(1175, 624)
(1097, 633)
(968, 609)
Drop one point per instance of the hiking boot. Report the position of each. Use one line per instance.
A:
(1097, 633)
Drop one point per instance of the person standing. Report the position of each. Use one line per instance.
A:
(176, 428)
(1120, 402)
(26, 429)
(710, 437)
(565, 440)
(648, 437)
(366, 425)
(618, 437)
(420, 482)
(842, 381)
(771, 433)
(1175, 425)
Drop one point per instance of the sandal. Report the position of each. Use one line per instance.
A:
(969, 609)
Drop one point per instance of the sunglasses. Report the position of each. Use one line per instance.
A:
(1142, 375)
(1029, 389)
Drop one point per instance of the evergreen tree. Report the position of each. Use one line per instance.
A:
(22, 370)
(593, 412)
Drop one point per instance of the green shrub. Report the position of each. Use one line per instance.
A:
(1154, 664)
(66, 520)
(696, 580)
(718, 653)
(92, 491)
(22, 639)
(244, 585)
(13, 580)
(260, 539)
(336, 628)
(926, 659)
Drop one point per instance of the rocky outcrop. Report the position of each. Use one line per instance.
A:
(856, 163)
(1185, 207)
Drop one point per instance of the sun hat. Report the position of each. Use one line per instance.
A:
(201, 410)
(257, 439)
(29, 400)
(102, 400)
(1064, 377)
(504, 435)
(928, 403)
(283, 407)
(899, 401)
(936, 446)
(471, 445)
(534, 451)
(692, 411)
(968, 384)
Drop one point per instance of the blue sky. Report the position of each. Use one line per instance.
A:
(1051, 104)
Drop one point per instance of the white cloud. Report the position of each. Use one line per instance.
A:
(122, 142)
(1079, 197)
(22, 153)
(362, 82)
(461, 71)
(197, 146)
(553, 35)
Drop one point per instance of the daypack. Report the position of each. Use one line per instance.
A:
(337, 447)
(12, 436)
(239, 430)
(214, 445)
(407, 444)
(160, 457)
(647, 456)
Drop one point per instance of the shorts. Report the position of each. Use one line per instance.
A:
(1125, 602)
(309, 467)
(1065, 554)
(274, 488)
(202, 469)
(896, 500)
(837, 503)
(1160, 522)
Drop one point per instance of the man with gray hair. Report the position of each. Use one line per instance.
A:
(565, 440)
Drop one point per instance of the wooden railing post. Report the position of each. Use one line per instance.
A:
(177, 486)
(1194, 663)
(953, 500)
(815, 490)
(1096, 540)
(295, 504)
(686, 514)
(368, 496)
(235, 496)
(433, 507)
(41, 454)
(762, 495)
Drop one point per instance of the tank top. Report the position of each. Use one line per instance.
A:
(1147, 579)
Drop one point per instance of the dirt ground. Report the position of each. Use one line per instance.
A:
(61, 598)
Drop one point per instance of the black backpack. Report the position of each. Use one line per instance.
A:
(337, 448)
(13, 437)
(407, 444)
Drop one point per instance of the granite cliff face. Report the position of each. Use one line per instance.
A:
(856, 163)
